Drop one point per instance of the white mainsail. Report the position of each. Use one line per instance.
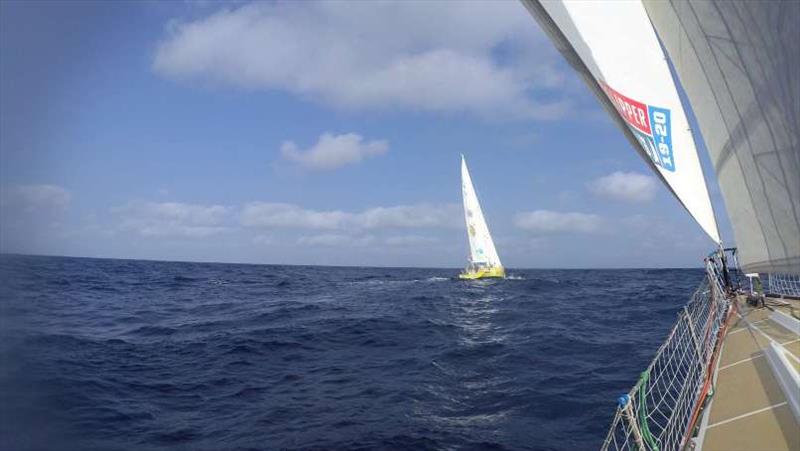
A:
(613, 45)
(738, 62)
(481, 246)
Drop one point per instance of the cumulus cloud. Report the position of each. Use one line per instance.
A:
(546, 221)
(335, 240)
(491, 59)
(35, 198)
(175, 219)
(410, 240)
(625, 186)
(342, 239)
(162, 219)
(333, 151)
(279, 215)
(411, 216)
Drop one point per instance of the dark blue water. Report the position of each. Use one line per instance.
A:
(137, 355)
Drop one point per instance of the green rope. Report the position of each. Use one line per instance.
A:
(646, 435)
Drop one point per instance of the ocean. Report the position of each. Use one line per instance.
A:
(101, 354)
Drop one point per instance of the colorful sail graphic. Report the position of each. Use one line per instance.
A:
(613, 45)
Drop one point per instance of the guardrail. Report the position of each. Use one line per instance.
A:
(784, 285)
(661, 410)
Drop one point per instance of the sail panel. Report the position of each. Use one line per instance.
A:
(481, 246)
(614, 47)
(738, 62)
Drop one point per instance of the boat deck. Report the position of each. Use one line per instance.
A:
(749, 411)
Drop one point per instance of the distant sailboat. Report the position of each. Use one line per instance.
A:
(483, 259)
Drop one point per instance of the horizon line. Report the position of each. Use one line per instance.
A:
(2, 254)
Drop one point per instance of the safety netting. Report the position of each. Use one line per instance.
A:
(784, 284)
(662, 409)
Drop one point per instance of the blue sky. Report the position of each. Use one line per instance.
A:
(315, 133)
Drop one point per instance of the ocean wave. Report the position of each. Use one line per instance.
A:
(148, 355)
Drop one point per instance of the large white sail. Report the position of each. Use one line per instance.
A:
(613, 45)
(738, 62)
(481, 246)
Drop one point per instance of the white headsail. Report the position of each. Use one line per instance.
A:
(481, 246)
(613, 45)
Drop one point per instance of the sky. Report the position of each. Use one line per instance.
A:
(321, 133)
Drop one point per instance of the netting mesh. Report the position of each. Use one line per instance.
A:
(784, 284)
(660, 410)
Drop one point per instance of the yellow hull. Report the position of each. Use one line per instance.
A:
(487, 273)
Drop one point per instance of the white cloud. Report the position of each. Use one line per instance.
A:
(491, 59)
(410, 240)
(625, 186)
(411, 216)
(163, 219)
(158, 229)
(333, 151)
(174, 219)
(335, 240)
(278, 215)
(552, 221)
(342, 239)
(188, 213)
(32, 198)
